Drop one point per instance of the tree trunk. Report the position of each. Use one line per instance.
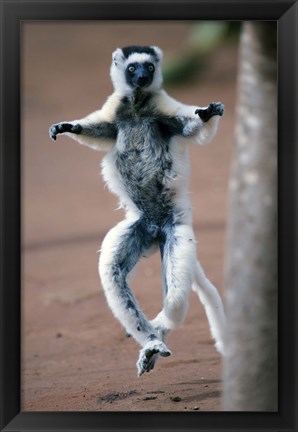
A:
(250, 364)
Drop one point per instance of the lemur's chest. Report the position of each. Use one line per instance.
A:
(138, 121)
(142, 150)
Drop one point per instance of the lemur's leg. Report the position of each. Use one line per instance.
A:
(211, 300)
(121, 250)
(178, 260)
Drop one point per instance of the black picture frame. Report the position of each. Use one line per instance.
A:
(12, 14)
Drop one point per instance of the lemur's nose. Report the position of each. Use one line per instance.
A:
(142, 80)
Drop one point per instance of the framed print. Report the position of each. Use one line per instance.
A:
(66, 362)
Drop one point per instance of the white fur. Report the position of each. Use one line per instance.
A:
(113, 181)
(181, 269)
(211, 300)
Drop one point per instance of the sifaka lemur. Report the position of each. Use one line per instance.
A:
(147, 167)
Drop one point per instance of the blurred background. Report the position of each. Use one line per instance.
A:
(75, 355)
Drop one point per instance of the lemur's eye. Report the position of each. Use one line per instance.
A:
(131, 68)
(151, 68)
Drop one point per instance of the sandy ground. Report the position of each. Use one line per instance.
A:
(75, 356)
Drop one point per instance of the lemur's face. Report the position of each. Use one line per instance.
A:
(139, 74)
(136, 67)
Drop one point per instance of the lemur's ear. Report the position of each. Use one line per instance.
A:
(159, 53)
(118, 57)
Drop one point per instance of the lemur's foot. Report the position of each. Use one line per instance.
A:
(60, 128)
(214, 109)
(149, 355)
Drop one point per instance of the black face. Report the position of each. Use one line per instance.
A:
(139, 74)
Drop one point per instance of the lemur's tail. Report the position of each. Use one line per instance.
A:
(211, 300)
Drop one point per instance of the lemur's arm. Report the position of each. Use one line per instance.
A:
(97, 130)
(187, 120)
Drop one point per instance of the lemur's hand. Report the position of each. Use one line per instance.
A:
(60, 128)
(214, 109)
